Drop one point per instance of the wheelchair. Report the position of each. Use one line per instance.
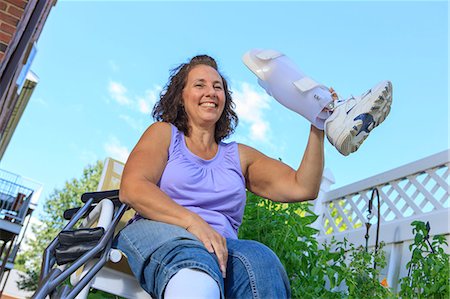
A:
(82, 252)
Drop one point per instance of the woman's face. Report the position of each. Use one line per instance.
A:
(203, 95)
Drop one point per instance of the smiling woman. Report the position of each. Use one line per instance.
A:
(170, 108)
(203, 96)
(189, 190)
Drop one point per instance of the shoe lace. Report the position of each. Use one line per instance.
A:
(337, 99)
(341, 101)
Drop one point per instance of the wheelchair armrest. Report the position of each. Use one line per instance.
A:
(68, 214)
(99, 195)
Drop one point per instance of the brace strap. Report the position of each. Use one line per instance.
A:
(305, 84)
(268, 54)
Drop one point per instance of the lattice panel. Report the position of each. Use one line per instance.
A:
(415, 194)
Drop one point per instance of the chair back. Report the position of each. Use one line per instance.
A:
(110, 180)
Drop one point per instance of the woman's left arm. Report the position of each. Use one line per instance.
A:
(277, 181)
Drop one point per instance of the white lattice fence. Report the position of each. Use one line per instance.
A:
(416, 191)
(411, 190)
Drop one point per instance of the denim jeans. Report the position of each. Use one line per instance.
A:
(156, 251)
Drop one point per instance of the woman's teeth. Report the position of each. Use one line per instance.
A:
(208, 104)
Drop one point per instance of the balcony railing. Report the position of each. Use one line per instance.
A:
(14, 198)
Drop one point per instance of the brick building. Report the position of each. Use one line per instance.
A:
(21, 23)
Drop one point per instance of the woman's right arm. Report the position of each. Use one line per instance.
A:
(143, 170)
(138, 189)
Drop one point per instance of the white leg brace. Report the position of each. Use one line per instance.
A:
(281, 79)
(190, 284)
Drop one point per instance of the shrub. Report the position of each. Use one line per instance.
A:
(314, 271)
(429, 268)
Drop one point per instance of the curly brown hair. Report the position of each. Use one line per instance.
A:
(170, 107)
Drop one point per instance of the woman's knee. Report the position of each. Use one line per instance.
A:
(168, 260)
(192, 283)
(256, 253)
(257, 263)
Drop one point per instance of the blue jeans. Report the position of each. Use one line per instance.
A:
(156, 251)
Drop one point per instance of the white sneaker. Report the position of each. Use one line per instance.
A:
(353, 119)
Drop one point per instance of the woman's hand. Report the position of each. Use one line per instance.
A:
(213, 241)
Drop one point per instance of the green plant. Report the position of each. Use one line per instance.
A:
(286, 229)
(429, 268)
(97, 294)
(361, 277)
(315, 271)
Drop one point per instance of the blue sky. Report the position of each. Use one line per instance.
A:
(101, 66)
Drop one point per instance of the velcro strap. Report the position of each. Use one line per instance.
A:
(268, 54)
(305, 84)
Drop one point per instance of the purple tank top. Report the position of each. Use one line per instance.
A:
(214, 189)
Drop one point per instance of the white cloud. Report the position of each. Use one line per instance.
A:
(143, 106)
(259, 130)
(118, 92)
(134, 123)
(115, 150)
(146, 103)
(250, 106)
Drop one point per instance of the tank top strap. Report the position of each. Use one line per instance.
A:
(175, 141)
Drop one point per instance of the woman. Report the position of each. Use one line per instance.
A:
(193, 188)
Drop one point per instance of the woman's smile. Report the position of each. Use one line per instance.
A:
(204, 95)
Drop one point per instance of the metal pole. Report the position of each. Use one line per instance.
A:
(5, 260)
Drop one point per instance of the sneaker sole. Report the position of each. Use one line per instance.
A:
(379, 111)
